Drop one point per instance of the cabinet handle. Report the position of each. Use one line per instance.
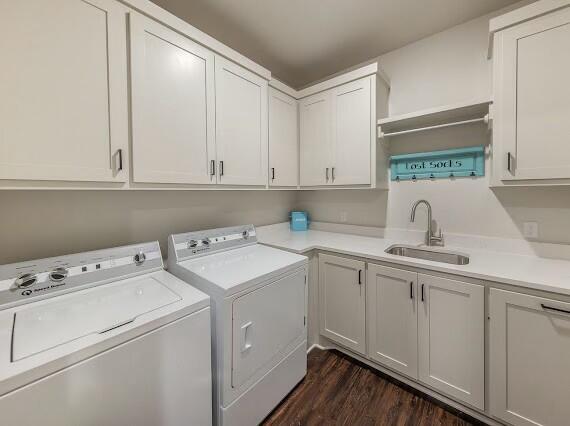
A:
(327, 173)
(332, 173)
(212, 167)
(411, 289)
(423, 297)
(221, 168)
(120, 153)
(553, 309)
(272, 173)
(509, 162)
(360, 277)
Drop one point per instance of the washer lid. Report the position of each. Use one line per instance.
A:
(97, 311)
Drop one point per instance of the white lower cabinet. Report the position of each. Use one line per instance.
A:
(342, 301)
(529, 359)
(451, 338)
(392, 318)
(428, 328)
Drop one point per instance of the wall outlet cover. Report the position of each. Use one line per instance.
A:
(530, 229)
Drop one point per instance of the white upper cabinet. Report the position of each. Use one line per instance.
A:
(392, 318)
(283, 139)
(315, 136)
(353, 133)
(173, 118)
(63, 82)
(342, 295)
(532, 100)
(241, 125)
(451, 338)
(338, 144)
(530, 359)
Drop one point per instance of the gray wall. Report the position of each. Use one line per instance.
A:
(35, 224)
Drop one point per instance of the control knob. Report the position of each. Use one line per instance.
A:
(58, 274)
(139, 258)
(192, 243)
(26, 280)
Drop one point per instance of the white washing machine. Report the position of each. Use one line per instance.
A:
(259, 302)
(103, 338)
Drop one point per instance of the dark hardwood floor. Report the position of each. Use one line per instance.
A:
(341, 391)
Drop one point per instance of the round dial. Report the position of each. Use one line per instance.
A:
(139, 258)
(58, 274)
(192, 243)
(26, 280)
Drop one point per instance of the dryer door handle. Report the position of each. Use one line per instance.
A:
(245, 339)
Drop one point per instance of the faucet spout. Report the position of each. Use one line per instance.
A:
(430, 238)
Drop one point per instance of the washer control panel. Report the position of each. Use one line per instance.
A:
(27, 281)
(199, 243)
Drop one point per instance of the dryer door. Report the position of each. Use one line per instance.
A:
(267, 324)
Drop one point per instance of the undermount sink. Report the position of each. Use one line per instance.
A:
(427, 253)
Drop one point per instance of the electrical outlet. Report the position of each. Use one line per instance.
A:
(530, 229)
(343, 216)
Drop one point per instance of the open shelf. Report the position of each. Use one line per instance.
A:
(433, 118)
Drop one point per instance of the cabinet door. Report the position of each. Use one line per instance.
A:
(315, 129)
(392, 318)
(283, 140)
(532, 98)
(173, 106)
(451, 338)
(530, 359)
(352, 133)
(241, 125)
(342, 301)
(64, 96)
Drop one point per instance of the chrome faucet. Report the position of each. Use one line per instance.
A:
(431, 240)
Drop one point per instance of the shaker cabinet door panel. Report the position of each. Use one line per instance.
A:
(532, 64)
(342, 301)
(529, 359)
(241, 125)
(352, 133)
(63, 82)
(315, 146)
(283, 140)
(451, 342)
(392, 318)
(173, 106)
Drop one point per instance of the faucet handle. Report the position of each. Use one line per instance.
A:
(438, 239)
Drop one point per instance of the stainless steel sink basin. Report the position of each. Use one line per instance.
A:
(427, 253)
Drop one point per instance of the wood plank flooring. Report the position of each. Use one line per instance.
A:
(341, 391)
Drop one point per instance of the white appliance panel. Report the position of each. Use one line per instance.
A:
(41, 328)
(267, 322)
(161, 378)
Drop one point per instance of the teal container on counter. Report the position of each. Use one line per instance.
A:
(299, 221)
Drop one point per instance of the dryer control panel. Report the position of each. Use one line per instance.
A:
(29, 281)
(194, 244)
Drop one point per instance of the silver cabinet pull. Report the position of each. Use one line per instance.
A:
(423, 296)
(327, 174)
(510, 163)
(272, 173)
(120, 153)
(212, 167)
(221, 168)
(411, 289)
(553, 309)
(332, 173)
(360, 277)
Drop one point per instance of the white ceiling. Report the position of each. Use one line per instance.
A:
(302, 41)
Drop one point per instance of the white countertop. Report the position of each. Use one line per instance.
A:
(532, 272)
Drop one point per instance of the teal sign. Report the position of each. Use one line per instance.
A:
(439, 164)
